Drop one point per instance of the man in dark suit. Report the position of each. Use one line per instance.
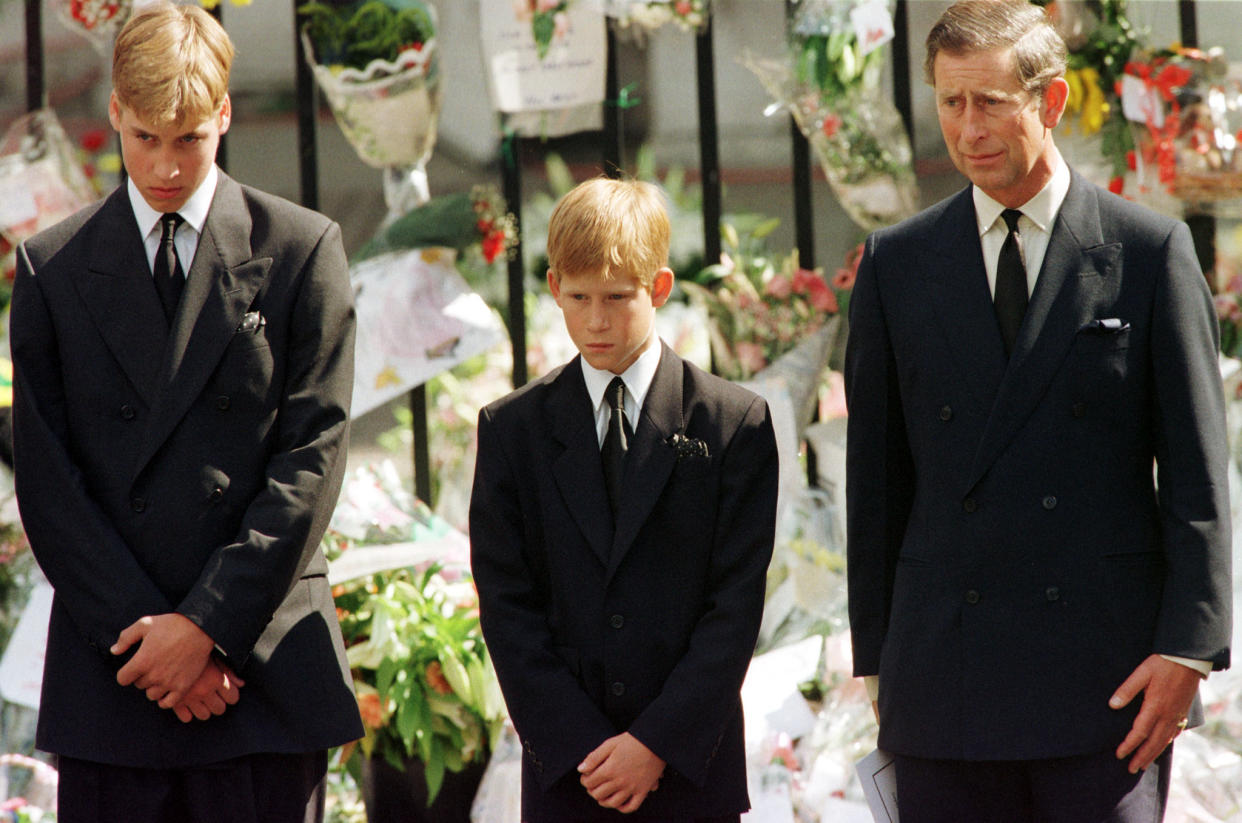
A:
(621, 569)
(180, 439)
(1038, 609)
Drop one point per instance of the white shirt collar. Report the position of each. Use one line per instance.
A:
(637, 378)
(1041, 209)
(194, 211)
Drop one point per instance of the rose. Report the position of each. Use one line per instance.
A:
(750, 356)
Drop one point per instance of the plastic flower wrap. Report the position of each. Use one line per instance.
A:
(425, 683)
(1186, 112)
(378, 65)
(96, 20)
(830, 82)
(647, 15)
(41, 183)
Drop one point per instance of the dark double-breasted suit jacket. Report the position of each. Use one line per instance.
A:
(190, 469)
(1012, 558)
(646, 626)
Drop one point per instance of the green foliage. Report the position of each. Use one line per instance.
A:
(353, 34)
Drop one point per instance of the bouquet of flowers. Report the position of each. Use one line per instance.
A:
(762, 305)
(425, 684)
(830, 84)
(377, 63)
(689, 15)
(1185, 110)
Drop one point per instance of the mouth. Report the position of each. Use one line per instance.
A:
(165, 193)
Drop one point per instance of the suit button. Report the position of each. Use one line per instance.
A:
(127, 412)
(222, 402)
(1052, 593)
(972, 597)
(617, 621)
(946, 413)
(217, 494)
(969, 505)
(138, 504)
(1050, 502)
(618, 688)
(1079, 409)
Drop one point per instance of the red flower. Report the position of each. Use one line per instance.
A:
(778, 287)
(683, 7)
(94, 140)
(493, 245)
(831, 124)
(436, 679)
(1116, 184)
(371, 710)
(1132, 159)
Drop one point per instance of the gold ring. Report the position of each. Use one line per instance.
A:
(1181, 724)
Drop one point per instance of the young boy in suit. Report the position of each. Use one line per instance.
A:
(621, 525)
(183, 364)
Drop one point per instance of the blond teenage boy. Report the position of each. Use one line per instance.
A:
(183, 357)
(620, 556)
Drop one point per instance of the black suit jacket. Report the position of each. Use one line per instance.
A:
(191, 470)
(646, 626)
(1011, 560)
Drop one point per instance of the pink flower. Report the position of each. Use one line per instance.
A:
(547, 5)
(750, 356)
(778, 287)
(683, 7)
(831, 124)
(803, 280)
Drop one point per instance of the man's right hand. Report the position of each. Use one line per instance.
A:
(216, 689)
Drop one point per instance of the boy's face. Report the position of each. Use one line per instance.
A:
(168, 164)
(611, 322)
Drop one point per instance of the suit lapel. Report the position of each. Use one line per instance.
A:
(650, 460)
(956, 286)
(578, 471)
(222, 283)
(1057, 310)
(120, 296)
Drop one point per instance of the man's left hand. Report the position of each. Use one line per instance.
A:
(172, 652)
(1168, 691)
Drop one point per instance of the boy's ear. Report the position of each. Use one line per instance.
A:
(225, 114)
(661, 287)
(554, 285)
(114, 112)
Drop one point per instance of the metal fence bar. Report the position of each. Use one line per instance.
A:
(35, 84)
(709, 144)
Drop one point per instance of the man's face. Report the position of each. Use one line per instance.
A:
(611, 322)
(996, 132)
(168, 164)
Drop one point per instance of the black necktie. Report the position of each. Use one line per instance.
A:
(616, 441)
(169, 278)
(1011, 296)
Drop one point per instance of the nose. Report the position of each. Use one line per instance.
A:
(166, 165)
(974, 126)
(597, 317)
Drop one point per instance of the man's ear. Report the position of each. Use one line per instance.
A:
(226, 113)
(1055, 98)
(661, 287)
(554, 285)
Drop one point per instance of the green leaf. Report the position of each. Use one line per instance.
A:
(544, 26)
(434, 772)
(765, 228)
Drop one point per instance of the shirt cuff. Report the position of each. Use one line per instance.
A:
(1203, 667)
(872, 682)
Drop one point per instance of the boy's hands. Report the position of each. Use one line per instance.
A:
(216, 689)
(621, 773)
(172, 654)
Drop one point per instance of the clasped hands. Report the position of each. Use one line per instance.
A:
(174, 666)
(621, 772)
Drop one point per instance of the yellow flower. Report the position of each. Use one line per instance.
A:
(1074, 101)
(209, 4)
(1094, 106)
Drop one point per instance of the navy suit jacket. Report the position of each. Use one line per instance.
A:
(190, 469)
(646, 626)
(1011, 557)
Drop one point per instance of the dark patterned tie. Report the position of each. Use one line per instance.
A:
(1011, 296)
(169, 278)
(616, 441)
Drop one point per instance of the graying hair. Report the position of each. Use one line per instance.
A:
(971, 26)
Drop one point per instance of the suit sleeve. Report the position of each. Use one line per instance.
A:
(243, 582)
(95, 575)
(699, 699)
(1192, 461)
(879, 483)
(558, 723)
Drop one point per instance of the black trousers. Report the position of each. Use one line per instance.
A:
(1088, 789)
(257, 788)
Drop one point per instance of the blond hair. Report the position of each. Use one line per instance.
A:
(171, 65)
(613, 227)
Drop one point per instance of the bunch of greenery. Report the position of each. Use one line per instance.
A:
(354, 33)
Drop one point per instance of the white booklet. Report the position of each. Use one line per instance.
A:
(878, 775)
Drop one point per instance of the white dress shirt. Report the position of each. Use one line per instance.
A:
(637, 378)
(194, 213)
